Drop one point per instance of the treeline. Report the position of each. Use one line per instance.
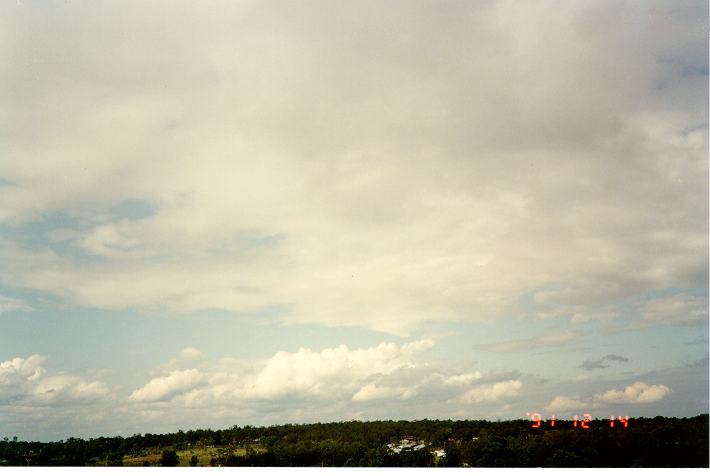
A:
(646, 442)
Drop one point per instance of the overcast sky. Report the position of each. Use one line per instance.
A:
(217, 213)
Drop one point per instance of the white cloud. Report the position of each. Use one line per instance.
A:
(331, 374)
(297, 168)
(638, 392)
(462, 379)
(372, 392)
(333, 369)
(9, 304)
(62, 388)
(563, 403)
(25, 381)
(679, 309)
(492, 393)
(18, 369)
(167, 387)
(190, 353)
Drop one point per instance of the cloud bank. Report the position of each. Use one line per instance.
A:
(358, 165)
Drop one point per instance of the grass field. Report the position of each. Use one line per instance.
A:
(204, 455)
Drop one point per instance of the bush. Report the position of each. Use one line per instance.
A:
(169, 458)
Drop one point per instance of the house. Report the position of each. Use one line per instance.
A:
(406, 443)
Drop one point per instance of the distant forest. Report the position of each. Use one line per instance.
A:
(646, 442)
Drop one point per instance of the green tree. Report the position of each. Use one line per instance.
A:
(114, 459)
(453, 457)
(193, 461)
(169, 458)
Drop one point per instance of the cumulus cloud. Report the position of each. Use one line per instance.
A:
(309, 372)
(167, 387)
(331, 373)
(18, 369)
(362, 382)
(297, 167)
(492, 393)
(26, 382)
(603, 363)
(638, 392)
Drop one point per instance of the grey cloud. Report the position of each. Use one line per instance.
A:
(602, 363)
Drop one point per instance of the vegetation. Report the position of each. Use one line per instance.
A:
(169, 458)
(647, 442)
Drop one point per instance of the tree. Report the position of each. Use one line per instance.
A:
(453, 457)
(169, 458)
(114, 459)
(193, 461)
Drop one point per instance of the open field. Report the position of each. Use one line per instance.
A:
(204, 456)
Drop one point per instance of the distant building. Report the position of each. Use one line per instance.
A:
(406, 443)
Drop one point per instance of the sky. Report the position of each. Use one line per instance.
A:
(224, 213)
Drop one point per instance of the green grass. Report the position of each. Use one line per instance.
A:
(204, 456)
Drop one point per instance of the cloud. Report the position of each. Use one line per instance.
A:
(679, 309)
(560, 339)
(64, 388)
(492, 393)
(563, 403)
(190, 353)
(332, 373)
(25, 382)
(14, 371)
(9, 304)
(638, 392)
(317, 373)
(577, 313)
(462, 379)
(602, 363)
(167, 387)
(372, 392)
(297, 168)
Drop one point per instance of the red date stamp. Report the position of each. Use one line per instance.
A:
(584, 423)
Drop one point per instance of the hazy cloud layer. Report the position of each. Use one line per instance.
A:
(565, 403)
(556, 340)
(365, 164)
(492, 393)
(679, 309)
